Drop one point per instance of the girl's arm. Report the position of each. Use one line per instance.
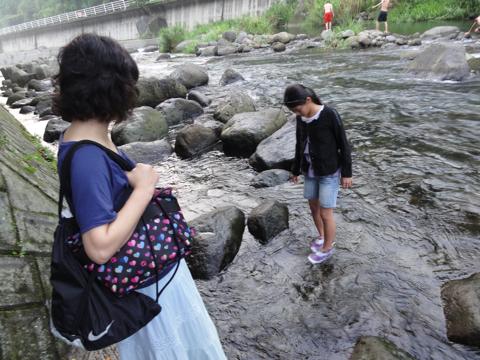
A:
(102, 242)
(298, 151)
(343, 145)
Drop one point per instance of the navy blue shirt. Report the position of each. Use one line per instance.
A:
(97, 184)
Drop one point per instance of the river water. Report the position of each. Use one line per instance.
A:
(410, 223)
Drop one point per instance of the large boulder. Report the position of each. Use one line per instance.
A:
(15, 98)
(278, 47)
(194, 139)
(245, 131)
(198, 97)
(327, 35)
(461, 300)
(184, 46)
(216, 242)
(441, 32)
(375, 348)
(178, 111)
(441, 62)
(347, 33)
(153, 91)
(43, 104)
(282, 37)
(17, 75)
(222, 50)
(276, 151)
(190, 75)
(144, 124)
(207, 51)
(55, 127)
(230, 76)
(40, 85)
(268, 220)
(271, 177)
(44, 71)
(21, 103)
(148, 152)
(233, 103)
(229, 36)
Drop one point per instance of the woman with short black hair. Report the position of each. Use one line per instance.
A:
(96, 85)
(323, 156)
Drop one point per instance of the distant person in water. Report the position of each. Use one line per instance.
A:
(323, 156)
(382, 16)
(328, 15)
(475, 26)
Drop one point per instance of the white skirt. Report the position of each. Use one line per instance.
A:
(182, 331)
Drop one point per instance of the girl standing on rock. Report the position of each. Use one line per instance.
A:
(323, 156)
(96, 86)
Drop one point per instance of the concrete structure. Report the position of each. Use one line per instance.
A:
(133, 23)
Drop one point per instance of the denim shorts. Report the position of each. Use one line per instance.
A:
(323, 188)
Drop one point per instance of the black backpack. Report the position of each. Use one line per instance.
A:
(85, 313)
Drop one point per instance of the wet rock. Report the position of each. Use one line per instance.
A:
(43, 104)
(401, 41)
(178, 111)
(242, 35)
(327, 35)
(461, 300)
(148, 152)
(210, 123)
(278, 47)
(193, 140)
(441, 62)
(27, 109)
(198, 97)
(153, 91)
(150, 48)
(390, 38)
(217, 241)
(414, 42)
(21, 103)
(353, 42)
(230, 36)
(441, 32)
(44, 71)
(268, 220)
(230, 76)
(346, 34)
(40, 85)
(276, 151)
(243, 132)
(163, 56)
(15, 97)
(269, 178)
(208, 51)
(184, 46)
(283, 37)
(222, 50)
(233, 103)
(376, 348)
(55, 127)
(364, 41)
(17, 75)
(144, 124)
(190, 75)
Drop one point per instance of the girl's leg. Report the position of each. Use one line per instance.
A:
(316, 215)
(330, 227)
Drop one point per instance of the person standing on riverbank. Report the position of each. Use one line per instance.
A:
(382, 16)
(96, 85)
(328, 15)
(323, 156)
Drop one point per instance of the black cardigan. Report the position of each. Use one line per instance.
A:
(329, 148)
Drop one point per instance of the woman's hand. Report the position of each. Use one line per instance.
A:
(346, 182)
(143, 177)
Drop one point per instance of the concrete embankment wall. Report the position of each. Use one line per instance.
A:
(131, 24)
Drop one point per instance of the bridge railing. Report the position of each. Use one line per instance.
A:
(115, 6)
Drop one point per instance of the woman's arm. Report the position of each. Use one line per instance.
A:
(102, 242)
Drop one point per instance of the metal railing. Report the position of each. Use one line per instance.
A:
(116, 6)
